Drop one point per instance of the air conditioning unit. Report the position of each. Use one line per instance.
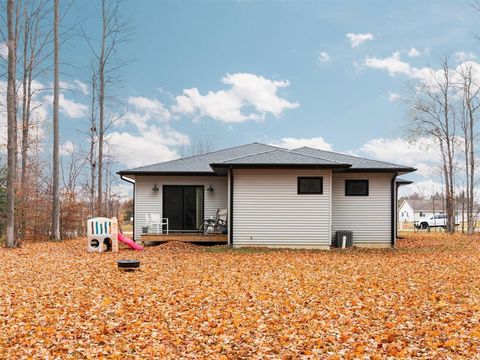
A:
(341, 236)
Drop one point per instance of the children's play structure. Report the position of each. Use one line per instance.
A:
(103, 235)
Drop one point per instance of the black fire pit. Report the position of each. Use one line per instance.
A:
(128, 265)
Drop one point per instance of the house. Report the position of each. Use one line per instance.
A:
(274, 197)
(410, 210)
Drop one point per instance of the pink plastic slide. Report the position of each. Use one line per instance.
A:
(129, 242)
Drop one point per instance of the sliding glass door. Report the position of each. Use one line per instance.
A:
(183, 206)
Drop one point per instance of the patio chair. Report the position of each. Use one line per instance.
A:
(216, 226)
(155, 223)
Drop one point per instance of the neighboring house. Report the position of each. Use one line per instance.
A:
(275, 197)
(410, 210)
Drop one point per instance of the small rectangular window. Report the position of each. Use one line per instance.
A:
(356, 187)
(310, 185)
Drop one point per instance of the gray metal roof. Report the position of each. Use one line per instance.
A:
(201, 163)
(401, 181)
(355, 161)
(280, 157)
(257, 154)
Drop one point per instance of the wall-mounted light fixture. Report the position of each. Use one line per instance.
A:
(155, 188)
(210, 188)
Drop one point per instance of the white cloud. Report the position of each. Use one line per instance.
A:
(143, 110)
(461, 56)
(246, 91)
(3, 50)
(323, 57)
(150, 146)
(426, 75)
(67, 148)
(123, 190)
(38, 111)
(395, 66)
(81, 86)
(357, 39)
(422, 154)
(70, 108)
(394, 96)
(295, 143)
(413, 52)
(75, 85)
(222, 105)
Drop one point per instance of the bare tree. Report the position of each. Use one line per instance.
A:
(114, 32)
(11, 126)
(470, 91)
(433, 113)
(56, 134)
(35, 37)
(92, 156)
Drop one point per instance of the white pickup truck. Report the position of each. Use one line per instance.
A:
(434, 221)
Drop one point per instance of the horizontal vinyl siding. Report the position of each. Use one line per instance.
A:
(369, 217)
(148, 201)
(267, 211)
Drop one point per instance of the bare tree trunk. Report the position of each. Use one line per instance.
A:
(25, 125)
(56, 152)
(101, 108)
(11, 124)
(93, 135)
(16, 36)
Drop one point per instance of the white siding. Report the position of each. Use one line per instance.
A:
(369, 217)
(267, 211)
(148, 201)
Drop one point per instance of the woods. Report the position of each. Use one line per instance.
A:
(443, 106)
(51, 198)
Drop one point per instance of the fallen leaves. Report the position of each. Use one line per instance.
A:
(422, 300)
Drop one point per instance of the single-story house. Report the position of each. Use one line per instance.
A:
(273, 196)
(410, 210)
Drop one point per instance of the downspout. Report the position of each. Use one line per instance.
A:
(134, 217)
(393, 209)
(230, 216)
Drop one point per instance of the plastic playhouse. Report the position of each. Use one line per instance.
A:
(103, 235)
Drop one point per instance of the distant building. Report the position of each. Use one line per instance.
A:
(411, 210)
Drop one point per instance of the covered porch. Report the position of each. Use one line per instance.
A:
(175, 208)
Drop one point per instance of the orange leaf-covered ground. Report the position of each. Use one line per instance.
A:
(422, 300)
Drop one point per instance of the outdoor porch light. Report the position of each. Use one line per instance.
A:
(155, 188)
(210, 188)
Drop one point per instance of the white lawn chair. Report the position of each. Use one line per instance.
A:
(155, 223)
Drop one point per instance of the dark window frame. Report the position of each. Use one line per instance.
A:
(299, 180)
(357, 180)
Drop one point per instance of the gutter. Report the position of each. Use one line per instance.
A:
(134, 217)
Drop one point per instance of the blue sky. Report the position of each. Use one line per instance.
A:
(289, 71)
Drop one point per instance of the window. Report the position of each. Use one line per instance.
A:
(356, 187)
(422, 214)
(310, 185)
